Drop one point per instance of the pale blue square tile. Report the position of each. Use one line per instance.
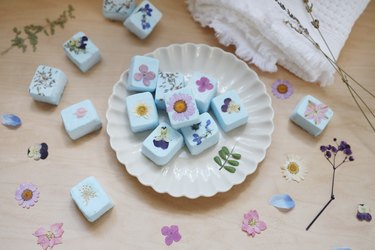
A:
(82, 51)
(80, 119)
(229, 110)
(142, 112)
(204, 88)
(201, 135)
(91, 199)
(143, 19)
(167, 81)
(143, 74)
(118, 9)
(162, 144)
(312, 115)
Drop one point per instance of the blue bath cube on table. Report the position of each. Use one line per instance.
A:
(47, 84)
(82, 51)
(167, 82)
(142, 112)
(91, 198)
(229, 110)
(312, 115)
(181, 108)
(143, 74)
(80, 119)
(162, 144)
(204, 89)
(202, 135)
(118, 9)
(143, 19)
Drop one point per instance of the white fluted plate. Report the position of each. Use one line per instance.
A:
(188, 175)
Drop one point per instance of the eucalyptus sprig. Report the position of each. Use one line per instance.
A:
(347, 79)
(29, 33)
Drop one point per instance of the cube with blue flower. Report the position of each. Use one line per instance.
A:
(118, 9)
(143, 74)
(143, 19)
(204, 89)
(82, 51)
(202, 135)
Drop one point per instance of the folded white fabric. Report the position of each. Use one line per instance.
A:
(258, 31)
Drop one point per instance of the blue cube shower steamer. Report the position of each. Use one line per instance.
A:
(162, 144)
(47, 84)
(167, 81)
(91, 199)
(80, 119)
(204, 89)
(201, 135)
(181, 108)
(142, 112)
(229, 110)
(143, 19)
(118, 9)
(312, 115)
(82, 51)
(143, 74)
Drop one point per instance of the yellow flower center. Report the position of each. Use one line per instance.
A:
(282, 88)
(180, 106)
(142, 110)
(293, 168)
(27, 194)
(252, 222)
(50, 235)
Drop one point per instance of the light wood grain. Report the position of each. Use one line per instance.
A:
(140, 212)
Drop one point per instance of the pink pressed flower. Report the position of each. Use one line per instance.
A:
(282, 89)
(251, 223)
(49, 238)
(80, 112)
(27, 195)
(144, 74)
(171, 234)
(182, 106)
(204, 84)
(316, 112)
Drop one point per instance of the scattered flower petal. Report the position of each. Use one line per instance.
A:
(251, 223)
(10, 120)
(27, 195)
(293, 169)
(363, 213)
(282, 89)
(282, 201)
(49, 238)
(38, 151)
(171, 234)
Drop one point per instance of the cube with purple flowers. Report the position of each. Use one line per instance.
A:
(204, 89)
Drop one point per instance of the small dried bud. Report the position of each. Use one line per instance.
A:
(315, 23)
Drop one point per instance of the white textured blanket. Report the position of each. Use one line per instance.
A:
(257, 29)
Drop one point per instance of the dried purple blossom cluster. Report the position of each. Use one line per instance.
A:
(331, 150)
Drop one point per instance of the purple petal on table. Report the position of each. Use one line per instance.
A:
(10, 120)
(282, 201)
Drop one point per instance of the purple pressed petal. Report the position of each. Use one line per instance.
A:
(168, 240)
(138, 76)
(224, 108)
(227, 101)
(10, 120)
(176, 236)
(165, 230)
(174, 228)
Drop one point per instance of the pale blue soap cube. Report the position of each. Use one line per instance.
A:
(312, 115)
(142, 112)
(80, 119)
(118, 9)
(143, 19)
(143, 74)
(91, 198)
(82, 51)
(181, 108)
(162, 144)
(204, 89)
(229, 110)
(167, 81)
(202, 135)
(47, 84)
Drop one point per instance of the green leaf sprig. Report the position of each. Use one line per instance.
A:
(227, 159)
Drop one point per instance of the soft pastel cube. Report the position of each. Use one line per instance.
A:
(91, 198)
(143, 74)
(82, 51)
(118, 9)
(47, 84)
(202, 135)
(312, 115)
(162, 144)
(80, 119)
(229, 110)
(181, 108)
(143, 19)
(204, 88)
(167, 81)
(142, 112)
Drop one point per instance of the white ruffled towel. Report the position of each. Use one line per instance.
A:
(258, 31)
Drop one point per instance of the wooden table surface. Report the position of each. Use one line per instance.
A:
(140, 212)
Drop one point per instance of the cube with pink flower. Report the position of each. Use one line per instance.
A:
(312, 115)
(181, 108)
(143, 74)
(204, 89)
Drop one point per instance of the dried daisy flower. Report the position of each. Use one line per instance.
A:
(294, 169)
